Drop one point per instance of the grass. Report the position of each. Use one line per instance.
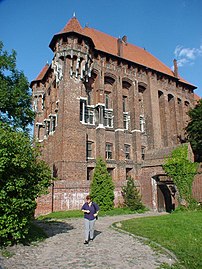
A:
(79, 213)
(178, 232)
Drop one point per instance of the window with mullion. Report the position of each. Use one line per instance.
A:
(108, 152)
(89, 149)
(127, 151)
(108, 118)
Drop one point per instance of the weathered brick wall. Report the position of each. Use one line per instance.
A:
(197, 185)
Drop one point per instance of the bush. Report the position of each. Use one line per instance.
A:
(22, 178)
(182, 171)
(102, 187)
(131, 195)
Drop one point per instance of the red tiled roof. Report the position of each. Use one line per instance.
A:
(108, 44)
(131, 52)
(41, 74)
(72, 25)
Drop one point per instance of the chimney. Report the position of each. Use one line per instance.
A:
(120, 47)
(175, 68)
(124, 39)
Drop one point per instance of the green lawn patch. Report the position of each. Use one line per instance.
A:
(79, 213)
(178, 232)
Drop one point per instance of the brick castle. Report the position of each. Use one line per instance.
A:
(102, 96)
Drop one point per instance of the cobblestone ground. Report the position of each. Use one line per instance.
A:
(64, 248)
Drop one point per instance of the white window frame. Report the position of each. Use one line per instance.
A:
(126, 120)
(108, 151)
(108, 118)
(142, 123)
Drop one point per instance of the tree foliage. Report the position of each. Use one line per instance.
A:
(182, 171)
(23, 177)
(131, 195)
(15, 97)
(194, 130)
(102, 187)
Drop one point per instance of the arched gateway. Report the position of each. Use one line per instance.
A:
(164, 193)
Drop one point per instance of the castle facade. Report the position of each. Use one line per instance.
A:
(102, 96)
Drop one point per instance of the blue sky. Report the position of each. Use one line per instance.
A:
(167, 29)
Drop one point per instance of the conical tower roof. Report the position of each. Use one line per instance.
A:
(72, 25)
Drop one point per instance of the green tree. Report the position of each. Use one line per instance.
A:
(194, 130)
(15, 96)
(102, 187)
(23, 177)
(131, 195)
(182, 171)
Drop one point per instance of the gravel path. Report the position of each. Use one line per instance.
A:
(64, 248)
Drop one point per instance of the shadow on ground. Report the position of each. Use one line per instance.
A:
(52, 228)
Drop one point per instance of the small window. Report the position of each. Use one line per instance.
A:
(108, 154)
(143, 152)
(82, 110)
(127, 151)
(142, 124)
(124, 103)
(89, 149)
(126, 120)
(107, 100)
(108, 118)
(90, 173)
(90, 115)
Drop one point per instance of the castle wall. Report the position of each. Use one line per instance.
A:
(89, 104)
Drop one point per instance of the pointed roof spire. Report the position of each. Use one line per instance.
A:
(72, 25)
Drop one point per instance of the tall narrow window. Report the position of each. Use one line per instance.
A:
(124, 103)
(143, 152)
(83, 110)
(89, 173)
(142, 124)
(108, 118)
(90, 115)
(107, 103)
(126, 120)
(89, 149)
(108, 152)
(127, 151)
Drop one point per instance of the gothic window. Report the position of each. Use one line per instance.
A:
(124, 103)
(108, 118)
(87, 113)
(143, 152)
(90, 115)
(82, 110)
(47, 127)
(35, 105)
(90, 173)
(127, 151)
(53, 122)
(110, 171)
(108, 153)
(107, 100)
(142, 124)
(89, 147)
(126, 120)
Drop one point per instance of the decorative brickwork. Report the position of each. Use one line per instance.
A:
(102, 96)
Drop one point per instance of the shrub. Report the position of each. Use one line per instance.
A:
(131, 195)
(182, 172)
(22, 178)
(102, 187)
